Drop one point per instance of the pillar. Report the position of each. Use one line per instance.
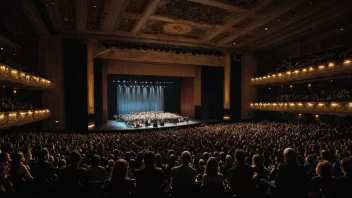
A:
(248, 91)
(105, 89)
(51, 66)
(197, 92)
(227, 82)
(90, 77)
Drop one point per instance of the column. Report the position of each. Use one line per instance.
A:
(227, 82)
(248, 91)
(90, 77)
(51, 66)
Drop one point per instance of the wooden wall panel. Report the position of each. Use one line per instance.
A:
(187, 97)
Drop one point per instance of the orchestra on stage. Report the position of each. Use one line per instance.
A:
(139, 119)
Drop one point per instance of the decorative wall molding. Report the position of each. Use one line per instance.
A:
(11, 74)
(331, 108)
(309, 73)
(160, 57)
(18, 118)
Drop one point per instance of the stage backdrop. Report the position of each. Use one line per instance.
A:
(138, 99)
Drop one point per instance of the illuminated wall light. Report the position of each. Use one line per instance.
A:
(14, 71)
(334, 104)
(309, 85)
(288, 72)
(30, 112)
(252, 79)
(350, 104)
(347, 61)
(22, 113)
(291, 86)
(321, 104)
(300, 104)
(280, 74)
(251, 104)
(321, 67)
(331, 64)
(310, 104)
(14, 91)
(260, 78)
(274, 104)
(273, 75)
(256, 78)
(300, 114)
(268, 76)
(311, 69)
(292, 104)
(296, 71)
(264, 77)
(304, 70)
(317, 116)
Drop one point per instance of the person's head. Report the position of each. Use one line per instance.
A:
(325, 155)
(158, 159)
(75, 158)
(229, 160)
(61, 163)
(222, 156)
(4, 157)
(346, 166)
(149, 158)
(324, 169)
(111, 163)
(172, 159)
(18, 158)
(132, 164)
(95, 161)
(206, 156)
(310, 159)
(186, 157)
(211, 168)
(240, 157)
(43, 155)
(119, 171)
(257, 160)
(290, 154)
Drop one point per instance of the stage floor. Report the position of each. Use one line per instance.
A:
(119, 126)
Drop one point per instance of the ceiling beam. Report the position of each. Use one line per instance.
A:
(81, 15)
(221, 5)
(54, 14)
(280, 10)
(165, 19)
(321, 21)
(285, 25)
(153, 5)
(33, 15)
(130, 15)
(113, 9)
(235, 20)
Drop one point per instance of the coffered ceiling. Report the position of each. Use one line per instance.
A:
(235, 24)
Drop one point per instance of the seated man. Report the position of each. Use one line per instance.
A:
(96, 172)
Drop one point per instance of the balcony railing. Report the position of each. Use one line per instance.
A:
(18, 118)
(11, 74)
(312, 72)
(334, 108)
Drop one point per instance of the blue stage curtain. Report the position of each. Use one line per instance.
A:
(139, 99)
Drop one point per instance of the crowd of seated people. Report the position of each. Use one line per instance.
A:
(326, 95)
(315, 60)
(12, 104)
(249, 159)
(10, 62)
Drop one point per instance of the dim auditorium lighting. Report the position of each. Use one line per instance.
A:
(123, 81)
(273, 75)
(309, 85)
(280, 74)
(296, 71)
(300, 104)
(347, 61)
(288, 72)
(316, 116)
(291, 86)
(304, 70)
(334, 104)
(321, 66)
(299, 114)
(310, 104)
(321, 104)
(311, 69)
(118, 81)
(14, 91)
(331, 64)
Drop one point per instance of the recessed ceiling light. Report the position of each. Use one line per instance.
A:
(234, 43)
(266, 29)
(342, 29)
(278, 20)
(94, 6)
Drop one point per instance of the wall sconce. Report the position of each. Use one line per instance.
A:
(288, 72)
(311, 69)
(331, 64)
(347, 61)
(321, 67)
(321, 104)
(304, 70)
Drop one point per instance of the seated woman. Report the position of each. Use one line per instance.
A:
(323, 185)
(120, 185)
(19, 173)
(213, 181)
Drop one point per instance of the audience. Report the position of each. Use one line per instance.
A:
(12, 104)
(327, 95)
(269, 159)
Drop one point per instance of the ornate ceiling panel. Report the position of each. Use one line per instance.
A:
(137, 6)
(191, 11)
(125, 25)
(246, 22)
(173, 30)
(95, 14)
(67, 9)
(221, 36)
(245, 4)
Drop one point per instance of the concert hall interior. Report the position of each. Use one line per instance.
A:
(176, 98)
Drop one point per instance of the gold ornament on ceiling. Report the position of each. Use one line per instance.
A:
(177, 28)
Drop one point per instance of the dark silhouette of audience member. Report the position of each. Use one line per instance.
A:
(4, 162)
(159, 162)
(323, 185)
(291, 178)
(149, 180)
(95, 172)
(72, 177)
(42, 169)
(224, 169)
(213, 181)
(344, 183)
(183, 177)
(120, 185)
(241, 177)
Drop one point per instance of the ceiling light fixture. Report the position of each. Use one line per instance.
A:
(234, 43)
(342, 29)
(266, 29)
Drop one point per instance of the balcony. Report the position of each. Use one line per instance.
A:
(11, 75)
(330, 70)
(331, 108)
(18, 118)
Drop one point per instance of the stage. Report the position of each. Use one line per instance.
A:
(113, 125)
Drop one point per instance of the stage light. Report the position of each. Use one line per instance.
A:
(123, 81)
(118, 81)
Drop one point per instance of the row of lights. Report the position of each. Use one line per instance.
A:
(296, 104)
(14, 72)
(134, 86)
(320, 67)
(146, 82)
